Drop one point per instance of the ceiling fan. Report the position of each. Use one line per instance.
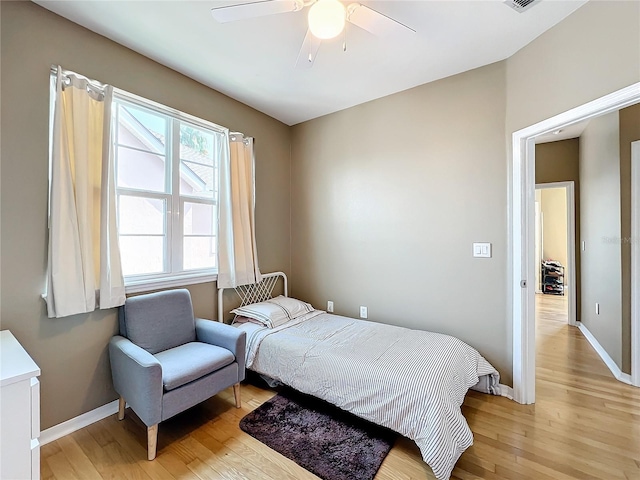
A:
(326, 19)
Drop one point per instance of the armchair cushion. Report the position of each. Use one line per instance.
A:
(225, 336)
(191, 361)
(160, 321)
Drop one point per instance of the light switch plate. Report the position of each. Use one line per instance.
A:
(482, 250)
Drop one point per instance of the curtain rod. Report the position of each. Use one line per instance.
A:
(137, 98)
(54, 70)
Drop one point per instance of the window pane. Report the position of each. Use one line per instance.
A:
(142, 255)
(199, 218)
(197, 180)
(197, 149)
(141, 215)
(199, 252)
(140, 170)
(141, 129)
(196, 144)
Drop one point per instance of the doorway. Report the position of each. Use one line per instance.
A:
(522, 237)
(555, 240)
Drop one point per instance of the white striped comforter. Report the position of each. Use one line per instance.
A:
(410, 381)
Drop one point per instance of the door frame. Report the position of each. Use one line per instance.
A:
(635, 263)
(538, 249)
(521, 194)
(570, 270)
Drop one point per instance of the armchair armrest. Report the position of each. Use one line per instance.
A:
(225, 336)
(137, 377)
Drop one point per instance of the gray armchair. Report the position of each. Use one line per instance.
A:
(165, 360)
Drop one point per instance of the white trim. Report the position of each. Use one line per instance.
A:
(65, 428)
(521, 239)
(635, 263)
(168, 282)
(570, 270)
(615, 370)
(166, 110)
(506, 391)
(539, 242)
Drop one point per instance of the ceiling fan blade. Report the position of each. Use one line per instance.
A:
(308, 51)
(261, 8)
(373, 21)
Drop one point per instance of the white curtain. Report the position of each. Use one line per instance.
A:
(84, 255)
(237, 252)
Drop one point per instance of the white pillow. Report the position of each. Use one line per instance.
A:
(275, 311)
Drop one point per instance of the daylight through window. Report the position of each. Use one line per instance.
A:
(167, 177)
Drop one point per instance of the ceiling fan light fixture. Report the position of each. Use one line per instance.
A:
(326, 19)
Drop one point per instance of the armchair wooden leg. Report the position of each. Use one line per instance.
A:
(236, 393)
(152, 441)
(121, 406)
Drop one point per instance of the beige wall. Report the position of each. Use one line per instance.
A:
(560, 162)
(72, 352)
(600, 230)
(554, 217)
(629, 132)
(388, 198)
(593, 52)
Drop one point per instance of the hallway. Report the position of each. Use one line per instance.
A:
(595, 418)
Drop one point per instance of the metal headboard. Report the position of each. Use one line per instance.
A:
(255, 292)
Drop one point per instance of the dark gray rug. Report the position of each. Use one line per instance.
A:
(327, 441)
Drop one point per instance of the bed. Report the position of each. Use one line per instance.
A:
(411, 381)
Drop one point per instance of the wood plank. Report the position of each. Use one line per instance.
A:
(175, 466)
(128, 441)
(76, 457)
(61, 468)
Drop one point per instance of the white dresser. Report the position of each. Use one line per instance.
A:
(19, 411)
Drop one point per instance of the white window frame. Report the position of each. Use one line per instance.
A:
(174, 226)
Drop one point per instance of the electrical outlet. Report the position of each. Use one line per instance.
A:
(330, 306)
(363, 312)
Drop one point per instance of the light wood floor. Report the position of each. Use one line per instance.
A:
(585, 425)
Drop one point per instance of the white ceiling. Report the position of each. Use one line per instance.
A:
(572, 131)
(254, 60)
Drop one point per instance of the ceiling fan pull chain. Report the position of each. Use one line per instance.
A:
(344, 42)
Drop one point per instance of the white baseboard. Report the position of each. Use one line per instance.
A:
(506, 391)
(65, 428)
(609, 362)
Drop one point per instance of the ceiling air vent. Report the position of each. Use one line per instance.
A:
(521, 5)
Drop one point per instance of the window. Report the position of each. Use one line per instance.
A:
(166, 168)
